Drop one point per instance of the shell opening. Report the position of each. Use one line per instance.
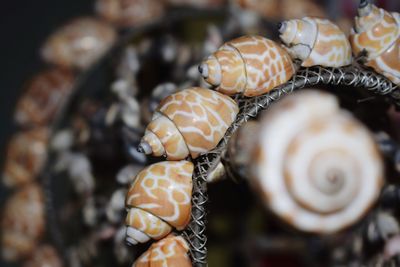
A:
(364, 8)
(203, 69)
(145, 148)
(281, 26)
(210, 70)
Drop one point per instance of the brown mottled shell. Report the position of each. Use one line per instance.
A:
(168, 252)
(22, 222)
(44, 256)
(43, 97)
(128, 13)
(79, 43)
(26, 154)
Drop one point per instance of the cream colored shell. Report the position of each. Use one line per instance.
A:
(316, 42)
(378, 33)
(316, 167)
(192, 121)
(252, 65)
(158, 200)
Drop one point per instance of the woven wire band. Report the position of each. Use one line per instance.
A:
(353, 76)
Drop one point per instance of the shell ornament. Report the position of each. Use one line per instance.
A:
(172, 251)
(159, 200)
(316, 42)
(252, 65)
(189, 122)
(317, 167)
(377, 32)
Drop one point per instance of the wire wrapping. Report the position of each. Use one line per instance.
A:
(250, 108)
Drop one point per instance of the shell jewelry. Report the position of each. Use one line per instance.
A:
(251, 65)
(159, 199)
(191, 121)
(377, 32)
(316, 42)
(318, 168)
(170, 251)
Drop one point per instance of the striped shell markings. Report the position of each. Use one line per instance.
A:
(377, 32)
(172, 251)
(315, 42)
(159, 200)
(252, 65)
(316, 166)
(189, 122)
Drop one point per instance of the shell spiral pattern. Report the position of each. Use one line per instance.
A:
(377, 32)
(159, 199)
(316, 42)
(318, 168)
(191, 121)
(251, 65)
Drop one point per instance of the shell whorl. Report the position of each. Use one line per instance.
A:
(251, 65)
(316, 42)
(159, 199)
(317, 167)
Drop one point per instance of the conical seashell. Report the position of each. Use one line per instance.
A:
(168, 252)
(378, 33)
(191, 121)
(251, 65)
(44, 256)
(158, 200)
(22, 223)
(316, 166)
(316, 42)
(25, 157)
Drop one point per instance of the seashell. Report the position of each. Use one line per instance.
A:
(169, 252)
(22, 223)
(159, 199)
(44, 256)
(323, 44)
(316, 166)
(79, 43)
(43, 97)
(377, 32)
(116, 205)
(26, 156)
(191, 121)
(251, 65)
(129, 13)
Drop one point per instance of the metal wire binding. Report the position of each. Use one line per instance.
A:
(250, 108)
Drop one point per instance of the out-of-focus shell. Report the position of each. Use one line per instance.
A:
(25, 157)
(316, 166)
(22, 222)
(191, 121)
(43, 97)
(129, 13)
(44, 256)
(79, 43)
(252, 65)
(316, 42)
(159, 199)
(196, 3)
(168, 252)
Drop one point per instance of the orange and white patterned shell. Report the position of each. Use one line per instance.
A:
(44, 256)
(191, 121)
(172, 251)
(316, 167)
(378, 33)
(22, 223)
(25, 157)
(162, 190)
(316, 42)
(79, 43)
(252, 65)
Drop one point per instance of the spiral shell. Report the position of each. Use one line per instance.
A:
(251, 65)
(79, 43)
(44, 256)
(22, 222)
(317, 167)
(159, 199)
(191, 121)
(378, 33)
(26, 156)
(43, 97)
(316, 42)
(168, 252)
